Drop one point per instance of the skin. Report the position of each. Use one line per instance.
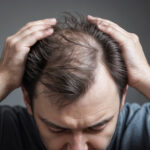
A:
(78, 119)
(132, 51)
(91, 109)
(16, 49)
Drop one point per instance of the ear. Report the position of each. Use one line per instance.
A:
(123, 97)
(26, 99)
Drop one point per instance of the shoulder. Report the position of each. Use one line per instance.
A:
(14, 114)
(134, 112)
(133, 129)
(18, 129)
(4, 109)
(15, 117)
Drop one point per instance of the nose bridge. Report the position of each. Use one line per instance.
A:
(78, 142)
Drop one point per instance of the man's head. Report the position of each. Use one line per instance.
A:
(73, 80)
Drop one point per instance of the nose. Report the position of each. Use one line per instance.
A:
(77, 142)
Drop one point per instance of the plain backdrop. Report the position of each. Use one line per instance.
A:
(132, 15)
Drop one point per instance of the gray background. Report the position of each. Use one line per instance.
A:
(133, 15)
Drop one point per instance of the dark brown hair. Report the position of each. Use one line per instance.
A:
(65, 62)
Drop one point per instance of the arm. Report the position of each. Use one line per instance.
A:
(143, 85)
(16, 49)
(133, 54)
(3, 88)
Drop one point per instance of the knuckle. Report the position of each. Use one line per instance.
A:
(8, 39)
(107, 21)
(12, 42)
(135, 36)
(98, 22)
(46, 25)
(109, 29)
(17, 46)
(31, 28)
(29, 23)
(36, 28)
(37, 34)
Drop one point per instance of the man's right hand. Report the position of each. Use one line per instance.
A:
(16, 49)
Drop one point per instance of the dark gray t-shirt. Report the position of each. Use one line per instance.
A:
(18, 130)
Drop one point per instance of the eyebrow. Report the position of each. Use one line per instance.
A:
(51, 124)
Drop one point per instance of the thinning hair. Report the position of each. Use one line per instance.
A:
(65, 62)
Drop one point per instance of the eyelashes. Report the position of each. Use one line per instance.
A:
(55, 130)
(96, 129)
(88, 130)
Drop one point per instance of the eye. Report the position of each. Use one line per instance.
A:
(96, 129)
(56, 130)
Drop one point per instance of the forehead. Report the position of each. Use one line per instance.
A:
(102, 100)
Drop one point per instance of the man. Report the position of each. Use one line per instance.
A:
(74, 76)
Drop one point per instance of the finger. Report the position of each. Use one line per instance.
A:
(32, 29)
(31, 39)
(51, 22)
(98, 21)
(47, 21)
(92, 19)
(118, 36)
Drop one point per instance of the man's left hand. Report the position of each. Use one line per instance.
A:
(135, 60)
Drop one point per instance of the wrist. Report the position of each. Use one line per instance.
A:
(5, 89)
(143, 83)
